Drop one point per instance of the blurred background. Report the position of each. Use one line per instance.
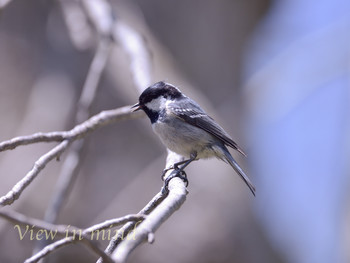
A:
(274, 74)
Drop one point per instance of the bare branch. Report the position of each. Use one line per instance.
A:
(92, 79)
(77, 24)
(100, 14)
(34, 138)
(115, 222)
(40, 164)
(175, 198)
(99, 120)
(79, 131)
(136, 48)
(50, 248)
(96, 248)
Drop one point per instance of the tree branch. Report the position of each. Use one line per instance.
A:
(145, 231)
(79, 131)
(79, 30)
(34, 138)
(40, 164)
(136, 48)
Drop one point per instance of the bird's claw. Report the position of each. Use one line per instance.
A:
(165, 171)
(172, 167)
(176, 173)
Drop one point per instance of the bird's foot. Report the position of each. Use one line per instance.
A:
(166, 170)
(176, 173)
(175, 166)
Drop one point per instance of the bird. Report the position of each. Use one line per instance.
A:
(186, 129)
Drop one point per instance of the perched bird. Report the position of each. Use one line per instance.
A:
(185, 128)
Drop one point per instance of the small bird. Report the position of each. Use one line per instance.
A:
(186, 129)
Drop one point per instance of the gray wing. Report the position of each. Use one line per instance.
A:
(190, 112)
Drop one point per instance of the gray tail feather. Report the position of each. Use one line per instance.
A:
(228, 157)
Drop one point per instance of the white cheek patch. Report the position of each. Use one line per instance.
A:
(157, 104)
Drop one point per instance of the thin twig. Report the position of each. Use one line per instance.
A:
(79, 131)
(40, 164)
(135, 46)
(34, 138)
(50, 248)
(93, 78)
(96, 248)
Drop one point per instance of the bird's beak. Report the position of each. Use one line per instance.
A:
(136, 107)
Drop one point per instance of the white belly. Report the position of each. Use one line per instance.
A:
(185, 139)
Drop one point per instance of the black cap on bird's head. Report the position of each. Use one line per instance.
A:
(159, 89)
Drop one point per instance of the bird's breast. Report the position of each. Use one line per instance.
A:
(184, 138)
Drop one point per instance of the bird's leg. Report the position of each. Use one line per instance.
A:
(178, 172)
(174, 166)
